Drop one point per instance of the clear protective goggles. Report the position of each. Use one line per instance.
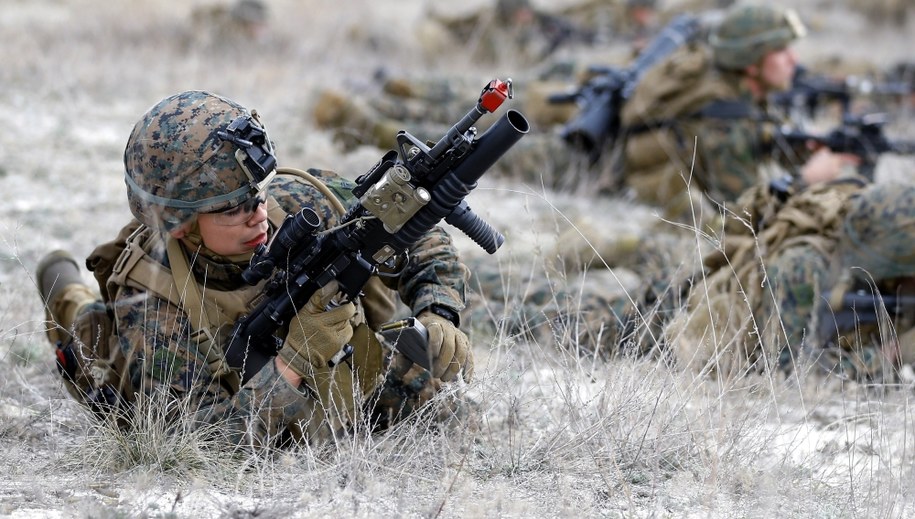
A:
(239, 214)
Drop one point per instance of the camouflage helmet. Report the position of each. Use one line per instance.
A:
(195, 152)
(748, 33)
(878, 238)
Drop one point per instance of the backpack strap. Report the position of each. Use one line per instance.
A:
(724, 109)
(134, 268)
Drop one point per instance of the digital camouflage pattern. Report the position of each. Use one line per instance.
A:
(161, 358)
(878, 231)
(749, 32)
(695, 129)
(760, 303)
(177, 166)
(731, 155)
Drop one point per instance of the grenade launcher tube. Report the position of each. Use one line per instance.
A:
(343, 254)
(448, 195)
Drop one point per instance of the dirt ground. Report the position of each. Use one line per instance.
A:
(552, 437)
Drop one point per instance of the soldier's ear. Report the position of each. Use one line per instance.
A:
(180, 232)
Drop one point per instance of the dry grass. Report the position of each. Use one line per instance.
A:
(545, 432)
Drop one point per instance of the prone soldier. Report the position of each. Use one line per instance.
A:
(822, 277)
(205, 193)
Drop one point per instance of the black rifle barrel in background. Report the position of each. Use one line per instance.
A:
(862, 136)
(859, 309)
(602, 98)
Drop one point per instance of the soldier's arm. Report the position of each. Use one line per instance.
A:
(728, 156)
(163, 361)
(434, 275)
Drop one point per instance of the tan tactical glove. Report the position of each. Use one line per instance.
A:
(448, 347)
(316, 335)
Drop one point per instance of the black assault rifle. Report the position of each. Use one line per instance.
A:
(859, 135)
(810, 91)
(404, 195)
(860, 310)
(601, 98)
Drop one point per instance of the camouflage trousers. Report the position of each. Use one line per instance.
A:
(804, 323)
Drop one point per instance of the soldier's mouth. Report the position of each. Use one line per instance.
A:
(260, 239)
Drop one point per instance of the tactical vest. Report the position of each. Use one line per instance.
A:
(125, 262)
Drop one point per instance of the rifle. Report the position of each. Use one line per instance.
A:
(559, 31)
(859, 135)
(809, 91)
(859, 310)
(602, 97)
(403, 196)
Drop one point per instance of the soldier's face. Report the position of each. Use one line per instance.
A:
(230, 237)
(777, 69)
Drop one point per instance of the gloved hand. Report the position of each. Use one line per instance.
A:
(316, 335)
(448, 347)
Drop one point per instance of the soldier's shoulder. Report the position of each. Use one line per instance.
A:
(294, 190)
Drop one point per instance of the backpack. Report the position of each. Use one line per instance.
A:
(684, 85)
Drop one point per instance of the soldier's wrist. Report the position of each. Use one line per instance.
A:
(445, 312)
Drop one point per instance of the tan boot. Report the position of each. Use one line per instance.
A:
(63, 292)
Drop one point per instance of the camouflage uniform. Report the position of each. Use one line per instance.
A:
(267, 406)
(776, 298)
(692, 106)
(157, 350)
(425, 107)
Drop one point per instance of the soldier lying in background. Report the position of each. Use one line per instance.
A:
(823, 275)
(229, 24)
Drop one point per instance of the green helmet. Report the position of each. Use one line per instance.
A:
(195, 152)
(878, 238)
(747, 33)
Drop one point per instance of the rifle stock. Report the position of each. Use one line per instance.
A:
(403, 196)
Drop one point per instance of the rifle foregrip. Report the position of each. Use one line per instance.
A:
(476, 228)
